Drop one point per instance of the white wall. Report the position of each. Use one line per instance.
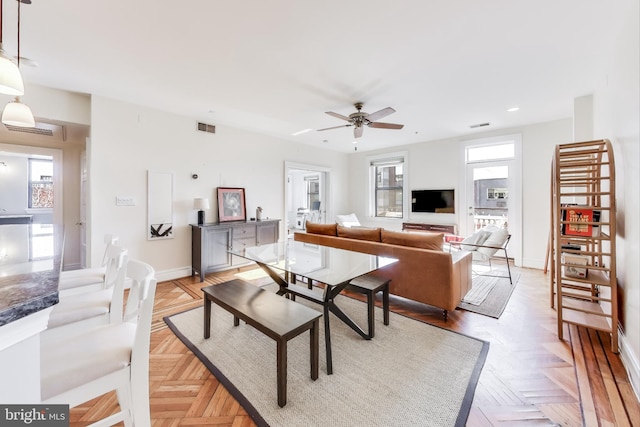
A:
(127, 140)
(438, 164)
(617, 118)
(15, 182)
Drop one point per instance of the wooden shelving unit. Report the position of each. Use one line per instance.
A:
(583, 188)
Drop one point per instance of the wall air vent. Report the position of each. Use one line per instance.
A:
(206, 128)
(479, 125)
(44, 129)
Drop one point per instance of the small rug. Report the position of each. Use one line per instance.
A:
(489, 295)
(411, 373)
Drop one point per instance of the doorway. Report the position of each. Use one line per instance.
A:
(493, 188)
(306, 195)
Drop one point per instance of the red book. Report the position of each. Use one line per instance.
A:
(578, 220)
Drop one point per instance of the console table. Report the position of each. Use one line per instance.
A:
(438, 228)
(210, 243)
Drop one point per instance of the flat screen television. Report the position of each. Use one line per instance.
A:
(435, 201)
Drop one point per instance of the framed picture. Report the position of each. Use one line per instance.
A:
(231, 204)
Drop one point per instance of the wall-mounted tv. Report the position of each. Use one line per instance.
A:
(436, 201)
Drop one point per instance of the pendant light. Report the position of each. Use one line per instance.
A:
(10, 78)
(16, 113)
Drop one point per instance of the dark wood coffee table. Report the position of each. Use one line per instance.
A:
(276, 317)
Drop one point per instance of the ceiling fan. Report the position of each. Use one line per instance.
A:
(360, 119)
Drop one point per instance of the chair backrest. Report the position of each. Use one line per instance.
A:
(140, 274)
(116, 261)
(109, 240)
(139, 309)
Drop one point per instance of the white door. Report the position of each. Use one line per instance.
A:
(83, 210)
(493, 193)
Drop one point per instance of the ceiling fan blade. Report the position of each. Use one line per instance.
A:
(339, 116)
(357, 131)
(380, 114)
(336, 127)
(385, 125)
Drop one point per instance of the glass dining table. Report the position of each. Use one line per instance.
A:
(285, 261)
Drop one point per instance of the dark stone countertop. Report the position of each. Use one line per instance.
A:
(30, 264)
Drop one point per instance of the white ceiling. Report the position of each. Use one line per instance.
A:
(276, 66)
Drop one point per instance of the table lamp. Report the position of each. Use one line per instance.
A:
(201, 204)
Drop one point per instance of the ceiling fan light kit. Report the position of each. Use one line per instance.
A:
(15, 113)
(359, 119)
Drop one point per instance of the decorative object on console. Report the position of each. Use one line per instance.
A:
(350, 220)
(231, 204)
(201, 204)
(258, 213)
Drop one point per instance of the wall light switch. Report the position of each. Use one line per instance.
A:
(125, 201)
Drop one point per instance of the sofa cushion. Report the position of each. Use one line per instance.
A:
(371, 234)
(350, 220)
(431, 241)
(326, 229)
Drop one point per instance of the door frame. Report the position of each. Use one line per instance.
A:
(325, 190)
(515, 188)
(56, 155)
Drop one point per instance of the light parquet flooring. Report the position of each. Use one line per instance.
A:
(530, 378)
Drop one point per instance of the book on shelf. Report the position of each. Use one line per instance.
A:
(579, 221)
(575, 265)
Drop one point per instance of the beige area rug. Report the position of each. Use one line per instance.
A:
(489, 295)
(410, 374)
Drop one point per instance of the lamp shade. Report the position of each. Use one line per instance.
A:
(10, 78)
(201, 203)
(17, 114)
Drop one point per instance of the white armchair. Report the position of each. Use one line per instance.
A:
(485, 243)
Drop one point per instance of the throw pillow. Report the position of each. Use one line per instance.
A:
(431, 241)
(326, 229)
(350, 220)
(371, 234)
(477, 238)
(496, 239)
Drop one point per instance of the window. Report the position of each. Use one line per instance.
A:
(388, 186)
(313, 191)
(40, 183)
(483, 153)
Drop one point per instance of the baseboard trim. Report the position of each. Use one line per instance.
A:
(630, 362)
(69, 267)
(175, 273)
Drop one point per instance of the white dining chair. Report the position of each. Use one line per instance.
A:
(87, 279)
(80, 311)
(106, 358)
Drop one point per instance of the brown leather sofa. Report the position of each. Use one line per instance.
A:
(423, 273)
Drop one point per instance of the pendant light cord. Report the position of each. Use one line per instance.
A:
(19, 3)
